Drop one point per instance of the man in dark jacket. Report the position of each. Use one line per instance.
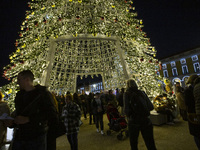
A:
(34, 109)
(194, 128)
(137, 107)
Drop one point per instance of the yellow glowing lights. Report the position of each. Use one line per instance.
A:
(75, 35)
(18, 50)
(43, 8)
(80, 1)
(32, 13)
(23, 46)
(55, 37)
(141, 22)
(53, 5)
(113, 6)
(94, 34)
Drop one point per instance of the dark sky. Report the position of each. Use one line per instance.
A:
(172, 25)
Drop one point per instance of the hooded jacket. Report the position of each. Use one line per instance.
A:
(38, 105)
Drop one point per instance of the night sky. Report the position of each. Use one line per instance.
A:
(172, 25)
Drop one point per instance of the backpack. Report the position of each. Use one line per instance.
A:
(140, 104)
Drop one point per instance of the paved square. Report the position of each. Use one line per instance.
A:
(167, 137)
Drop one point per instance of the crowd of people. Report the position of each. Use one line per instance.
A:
(38, 112)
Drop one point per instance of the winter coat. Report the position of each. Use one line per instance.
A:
(137, 105)
(180, 100)
(3, 109)
(196, 93)
(38, 105)
(120, 100)
(111, 99)
(96, 106)
(72, 115)
(190, 103)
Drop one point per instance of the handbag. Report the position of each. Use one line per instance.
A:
(192, 118)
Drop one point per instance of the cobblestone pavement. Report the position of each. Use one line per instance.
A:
(167, 137)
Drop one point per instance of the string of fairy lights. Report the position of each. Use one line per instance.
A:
(103, 36)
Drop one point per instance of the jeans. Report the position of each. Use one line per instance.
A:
(146, 129)
(73, 140)
(38, 143)
(197, 141)
(99, 119)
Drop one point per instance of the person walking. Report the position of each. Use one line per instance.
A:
(137, 107)
(90, 109)
(3, 129)
(98, 111)
(34, 107)
(72, 115)
(193, 122)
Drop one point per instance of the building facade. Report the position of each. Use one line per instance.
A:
(96, 87)
(180, 66)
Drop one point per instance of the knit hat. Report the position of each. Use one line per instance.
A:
(191, 79)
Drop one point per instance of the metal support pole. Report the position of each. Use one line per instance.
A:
(103, 81)
(122, 58)
(50, 58)
(75, 82)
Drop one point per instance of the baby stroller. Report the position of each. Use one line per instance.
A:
(117, 122)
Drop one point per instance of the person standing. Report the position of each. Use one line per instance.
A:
(137, 107)
(194, 126)
(52, 127)
(3, 129)
(90, 109)
(71, 114)
(34, 107)
(76, 99)
(121, 101)
(83, 98)
(98, 111)
(196, 93)
(111, 99)
(181, 103)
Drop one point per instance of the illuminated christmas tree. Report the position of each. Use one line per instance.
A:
(61, 39)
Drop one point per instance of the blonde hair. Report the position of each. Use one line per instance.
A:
(132, 84)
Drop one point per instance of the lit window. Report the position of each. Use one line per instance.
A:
(183, 61)
(173, 64)
(185, 69)
(194, 58)
(165, 73)
(174, 71)
(196, 67)
(164, 66)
